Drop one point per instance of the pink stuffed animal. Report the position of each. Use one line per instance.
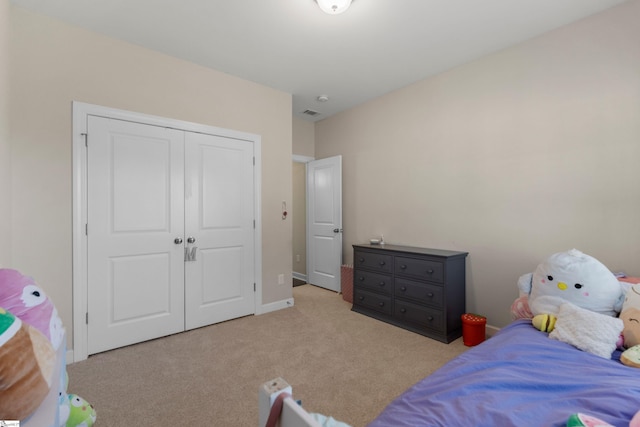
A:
(21, 296)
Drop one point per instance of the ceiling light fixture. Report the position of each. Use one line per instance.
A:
(333, 7)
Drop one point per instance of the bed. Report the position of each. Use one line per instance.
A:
(519, 377)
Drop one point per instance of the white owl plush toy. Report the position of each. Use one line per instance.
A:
(574, 277)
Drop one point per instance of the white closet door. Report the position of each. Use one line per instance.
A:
(135, 177)
(219, 197)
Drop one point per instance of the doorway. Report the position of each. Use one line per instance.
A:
(299, 219)
(317, 229)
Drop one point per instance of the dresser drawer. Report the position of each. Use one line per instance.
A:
(372, 301)
(373, 281)
(420, 269)
(422, 317)
(422, 293)
(373, 261)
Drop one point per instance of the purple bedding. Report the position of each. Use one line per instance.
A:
(520, 377)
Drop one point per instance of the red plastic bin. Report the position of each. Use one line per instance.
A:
(473, 329)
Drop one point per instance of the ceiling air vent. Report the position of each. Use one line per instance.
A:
(310, 113)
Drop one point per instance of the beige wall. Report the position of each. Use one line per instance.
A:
(5, 153)
(513, 157)
(53, 64)
(303, 137)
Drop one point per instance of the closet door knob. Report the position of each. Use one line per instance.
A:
(177, 240)
(191, 239)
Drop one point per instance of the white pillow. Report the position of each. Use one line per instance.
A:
(587, 330)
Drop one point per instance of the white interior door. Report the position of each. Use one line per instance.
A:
(219, 228)
(135, 211)
(324, 222)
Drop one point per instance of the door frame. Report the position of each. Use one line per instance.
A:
(79, 209)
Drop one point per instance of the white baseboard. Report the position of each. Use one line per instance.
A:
(275, 306)
(299, 276)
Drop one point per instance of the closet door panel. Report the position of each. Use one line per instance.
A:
(135, 179)
(219, 191)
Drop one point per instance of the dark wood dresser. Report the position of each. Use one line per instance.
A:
(418, 289)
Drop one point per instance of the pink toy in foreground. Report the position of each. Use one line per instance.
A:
(21, 296)
(583, 420)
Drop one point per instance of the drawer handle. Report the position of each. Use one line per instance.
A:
(361, 298)
(381, 304)
(430, 271)
(381, 263)
(430, 294)
(403, 267)
(403, 288)
(361, 260)
(403, 310)
(361, 278)
(430, 318)
(382, 284)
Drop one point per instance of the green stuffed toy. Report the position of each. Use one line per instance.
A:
(82, 413)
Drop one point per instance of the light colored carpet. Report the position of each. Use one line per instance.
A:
(339, 363)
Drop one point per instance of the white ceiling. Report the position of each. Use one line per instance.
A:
(373, 48)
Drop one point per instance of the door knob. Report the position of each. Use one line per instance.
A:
(191, 239)
(177, 240)
(337, 230)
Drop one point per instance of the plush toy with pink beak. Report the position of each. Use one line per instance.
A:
(574, 277)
